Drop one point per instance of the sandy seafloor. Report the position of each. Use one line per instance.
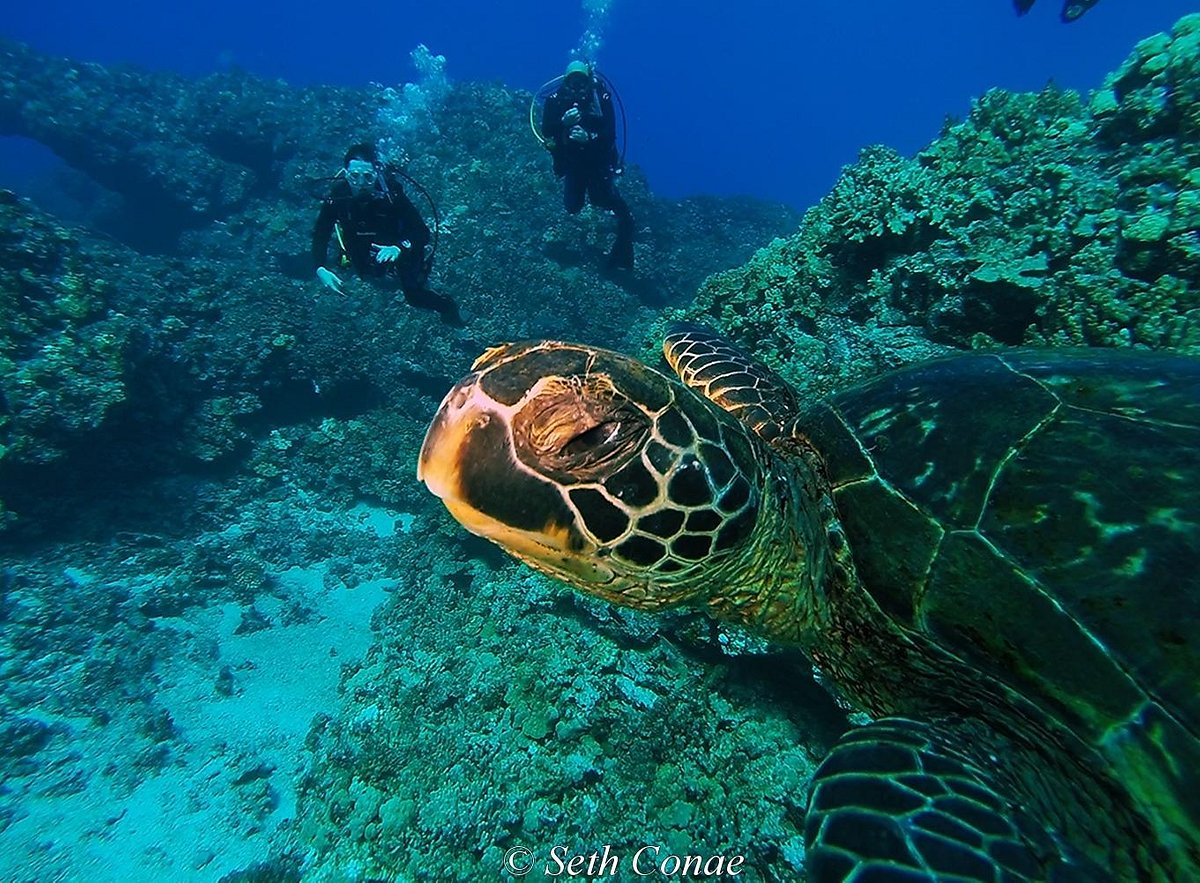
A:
(228, 789)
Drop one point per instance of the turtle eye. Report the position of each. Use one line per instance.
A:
(590, 439)
(577, 430)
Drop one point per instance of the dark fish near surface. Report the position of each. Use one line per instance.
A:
(1072, 9)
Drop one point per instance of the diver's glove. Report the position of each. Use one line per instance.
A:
(571, 117)
(579, 134)
(330, 280)
(385, 254)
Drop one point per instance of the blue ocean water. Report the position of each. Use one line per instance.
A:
(757, 97)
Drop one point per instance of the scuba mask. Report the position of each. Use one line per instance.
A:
(361, 175)
(577, 87)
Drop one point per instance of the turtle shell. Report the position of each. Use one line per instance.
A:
(1037, 516)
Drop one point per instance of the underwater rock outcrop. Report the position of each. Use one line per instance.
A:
(563, 724)
(205, 458)
(202, 326)
(187, 154)
(1040, 219)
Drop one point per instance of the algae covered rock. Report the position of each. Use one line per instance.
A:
(63, 350)
(541, 730)
(188, 324)
(1040, 219)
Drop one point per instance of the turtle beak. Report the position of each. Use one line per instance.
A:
(439, 464)
(467, 461)
(452, 446)
(465, 410)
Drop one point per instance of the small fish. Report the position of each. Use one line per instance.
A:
(1072, 9)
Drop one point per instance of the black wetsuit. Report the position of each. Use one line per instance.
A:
(382, 216)
(587, 167)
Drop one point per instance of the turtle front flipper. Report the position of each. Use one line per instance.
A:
(894, 802)
(723, 374)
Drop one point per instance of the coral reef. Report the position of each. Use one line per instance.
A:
(446, 753)
(161, 642)
(185, 155)
(207, 465)
(62, 353)
(1040, 219)
(202, 327)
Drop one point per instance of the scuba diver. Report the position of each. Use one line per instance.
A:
(380, 233)
(1072, 9)
(579, 127)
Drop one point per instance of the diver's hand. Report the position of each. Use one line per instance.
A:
(571, 117)
(385, 254)
(578, 133)
(330, 280)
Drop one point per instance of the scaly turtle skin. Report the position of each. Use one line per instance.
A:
(997, 556)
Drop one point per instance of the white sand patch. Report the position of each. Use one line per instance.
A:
(225, 799)
(380, 521)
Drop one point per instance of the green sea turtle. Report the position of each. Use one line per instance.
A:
(995, 555)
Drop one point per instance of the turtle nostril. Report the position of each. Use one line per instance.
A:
(460, 397)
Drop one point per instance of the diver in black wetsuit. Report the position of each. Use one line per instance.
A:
(1072, 9)
(579, 127)
(379, 231)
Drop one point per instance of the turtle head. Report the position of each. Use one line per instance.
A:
(595, 469)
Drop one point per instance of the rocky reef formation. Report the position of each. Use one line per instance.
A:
(1040, 219)
(612, 730)
(202, 324)
(183, 155)
(207, 476)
